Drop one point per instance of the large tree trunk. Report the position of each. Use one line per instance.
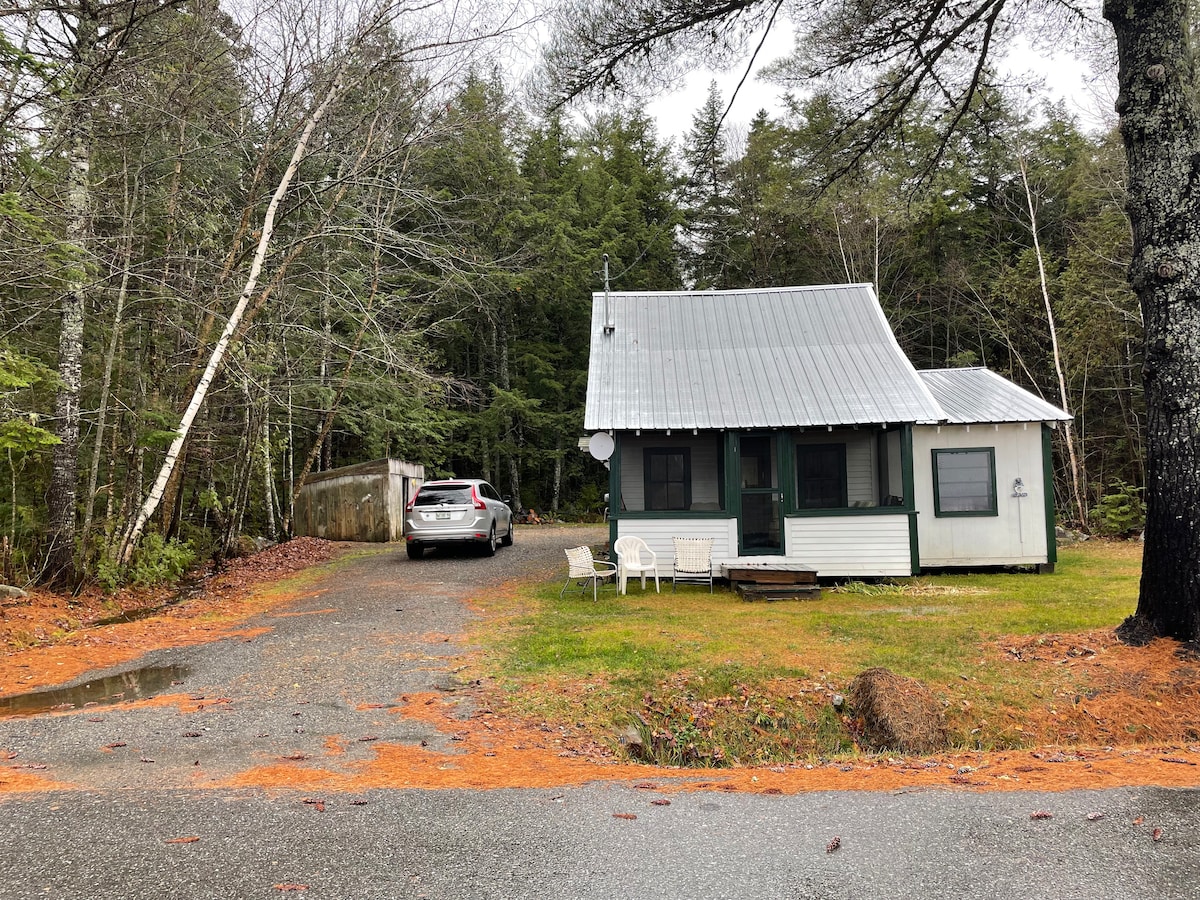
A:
(61, 501)
(1161, 130)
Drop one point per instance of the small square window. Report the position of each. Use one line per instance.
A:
(964, 482)
(668, 478)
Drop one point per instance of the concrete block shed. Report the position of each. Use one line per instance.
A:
(363, 502)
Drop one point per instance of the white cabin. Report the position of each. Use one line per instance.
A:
(788, 425)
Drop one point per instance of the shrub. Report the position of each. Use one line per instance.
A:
(1121, 512)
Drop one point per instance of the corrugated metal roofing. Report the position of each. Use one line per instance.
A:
(771, 358)
(978, 395)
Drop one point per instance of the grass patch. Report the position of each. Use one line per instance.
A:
(707, 679)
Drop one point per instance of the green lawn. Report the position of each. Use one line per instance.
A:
(752, 681)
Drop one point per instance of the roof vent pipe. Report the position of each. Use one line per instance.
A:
(609, 327)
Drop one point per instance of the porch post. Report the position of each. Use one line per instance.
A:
(910, 500)
(614, 490)
(733, 478)
(1048, 490)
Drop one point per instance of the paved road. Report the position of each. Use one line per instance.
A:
(369, 633)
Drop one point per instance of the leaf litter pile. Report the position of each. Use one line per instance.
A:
(1115, 715)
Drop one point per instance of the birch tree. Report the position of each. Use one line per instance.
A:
(338, 76)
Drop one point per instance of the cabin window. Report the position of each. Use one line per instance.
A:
(964, 482)
(668, 475)
(821, 476)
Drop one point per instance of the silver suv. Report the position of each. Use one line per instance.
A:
(457, 511)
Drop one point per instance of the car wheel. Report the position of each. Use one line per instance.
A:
(489, 549)
(415, 550)
(507, 540)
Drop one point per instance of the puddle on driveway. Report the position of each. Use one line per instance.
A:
(136, 684)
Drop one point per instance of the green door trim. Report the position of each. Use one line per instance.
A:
(734, 474)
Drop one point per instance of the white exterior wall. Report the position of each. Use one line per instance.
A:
(1017, 535)
(657, 534)
(836, 546)
(859, 546)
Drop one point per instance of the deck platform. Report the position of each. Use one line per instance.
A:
(771, 578)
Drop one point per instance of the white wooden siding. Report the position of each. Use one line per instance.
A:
(706, 490)
(860, 546)
(836, 546)
(657, 534)
(1017, 535)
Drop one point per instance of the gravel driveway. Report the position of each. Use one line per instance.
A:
(327, 666)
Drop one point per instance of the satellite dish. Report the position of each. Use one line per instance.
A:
(601, 445)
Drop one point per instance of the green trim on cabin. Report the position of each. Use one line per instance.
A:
(614, 490)
(909, 486)
(786, 448)
(1048, 490)
(733, 476)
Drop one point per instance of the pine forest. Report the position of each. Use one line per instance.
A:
(241, 245)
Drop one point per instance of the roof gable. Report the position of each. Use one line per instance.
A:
(772, 358)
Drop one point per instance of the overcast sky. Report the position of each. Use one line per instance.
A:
(1065, 77)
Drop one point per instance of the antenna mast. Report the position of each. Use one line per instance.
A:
(609, 327)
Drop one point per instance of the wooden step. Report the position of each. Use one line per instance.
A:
(772, 576)
(750, 591)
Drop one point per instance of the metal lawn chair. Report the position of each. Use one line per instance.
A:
(630, 551)
(693, 562)
(582, 568)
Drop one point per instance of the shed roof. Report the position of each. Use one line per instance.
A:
(770, 358)
(979, 395)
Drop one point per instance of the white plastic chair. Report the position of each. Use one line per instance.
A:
(582, 568)
(693, 562)
(629, 550)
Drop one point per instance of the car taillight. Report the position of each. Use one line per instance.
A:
(479, 504)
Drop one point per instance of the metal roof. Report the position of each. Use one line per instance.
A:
(771, 358)
(978, 395)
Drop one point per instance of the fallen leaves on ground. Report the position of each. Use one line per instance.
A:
(49, 638)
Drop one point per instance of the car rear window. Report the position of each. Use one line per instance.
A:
(443, 493)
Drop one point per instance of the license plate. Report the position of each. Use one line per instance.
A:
(441, 515)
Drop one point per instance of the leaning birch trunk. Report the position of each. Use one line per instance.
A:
(1068, 431)
(218, 353)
